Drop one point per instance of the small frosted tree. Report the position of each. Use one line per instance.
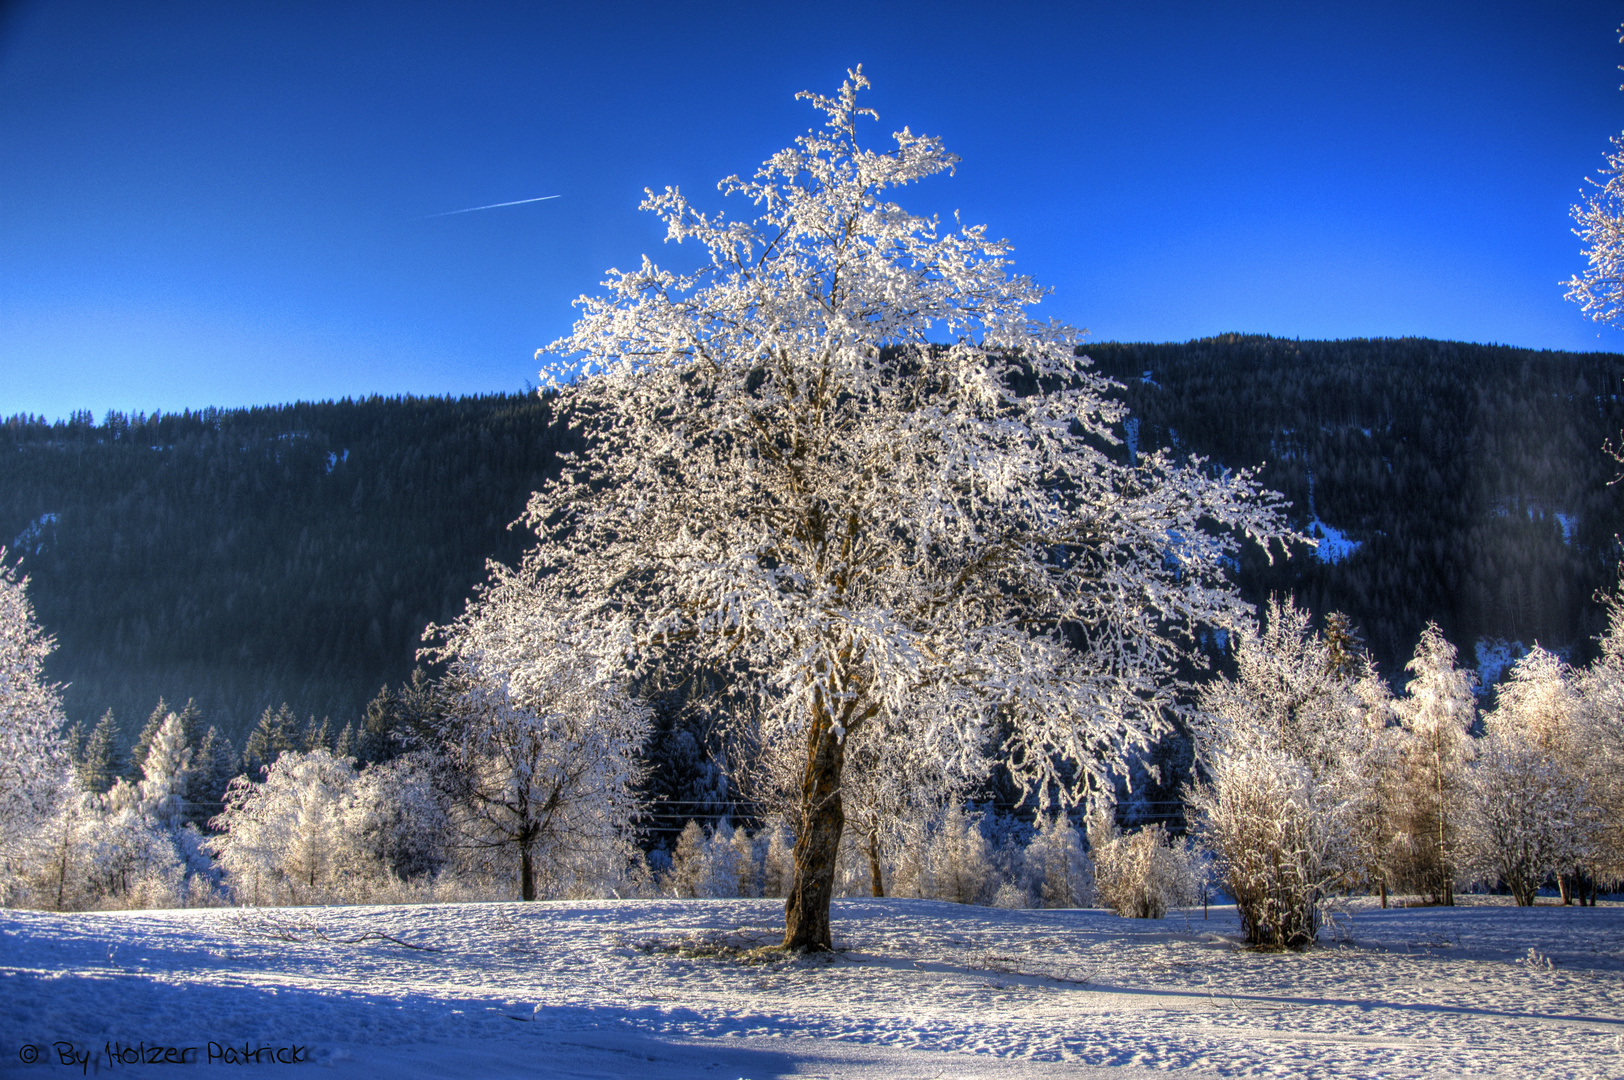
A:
(1438, 709)
(1531, 815)
(1058, 869)
(542, 736)
(36, 773)
(285, 839)
(166, 775)
(1521, 815)
(787, 483)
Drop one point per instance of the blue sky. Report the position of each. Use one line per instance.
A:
(227, 204)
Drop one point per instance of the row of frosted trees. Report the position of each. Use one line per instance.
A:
(1319, 781)
(1316, 781)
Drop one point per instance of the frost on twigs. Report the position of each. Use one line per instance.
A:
(1600, 224)
(842, 472)
(746, 945)
(308, 932)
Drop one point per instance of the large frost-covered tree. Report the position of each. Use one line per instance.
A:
(1600, 224)
(35, 769)
(839, 463)
(1601, 716)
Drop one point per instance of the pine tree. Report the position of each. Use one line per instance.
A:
(166, 776)
(138, 752)
(317, 736)
(99, 766)
(214, 766)
(276, 733)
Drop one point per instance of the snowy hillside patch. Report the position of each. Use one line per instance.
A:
(1494, 657)
(1334, 544)
(38, 536)
(917, 988)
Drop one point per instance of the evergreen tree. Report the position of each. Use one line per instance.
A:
(149, 730)
(166, 776)
(214, 766)
(276, 733)
(99, 765)
(317, 736)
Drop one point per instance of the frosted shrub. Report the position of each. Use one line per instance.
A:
(716, 866)
(1282, 744)
(955, 863)
(284, 840)
(1279, 849)
(1142, 874)
(1059, 873)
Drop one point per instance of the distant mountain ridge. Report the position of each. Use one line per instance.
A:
(247, 557)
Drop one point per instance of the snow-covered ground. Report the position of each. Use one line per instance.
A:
(655, 989)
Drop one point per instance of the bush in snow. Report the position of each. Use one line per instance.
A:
(1059, 873)
(1281, 744)
(1142, 874)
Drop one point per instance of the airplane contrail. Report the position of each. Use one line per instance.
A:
(492, 206)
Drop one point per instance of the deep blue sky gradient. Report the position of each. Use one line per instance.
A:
(226, 203)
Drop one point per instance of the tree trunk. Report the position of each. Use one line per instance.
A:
(874, 869)
(817, 841)
(527, 874)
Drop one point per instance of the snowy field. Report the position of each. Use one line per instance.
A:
(655, 989)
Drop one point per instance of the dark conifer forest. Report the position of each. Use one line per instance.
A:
(249, 557)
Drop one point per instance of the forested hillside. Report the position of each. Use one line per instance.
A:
(250, 557)
(253, 556)
(1465, 484)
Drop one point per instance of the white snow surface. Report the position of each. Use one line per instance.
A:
(655, 989)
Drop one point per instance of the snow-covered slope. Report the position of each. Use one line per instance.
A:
(655, 989)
